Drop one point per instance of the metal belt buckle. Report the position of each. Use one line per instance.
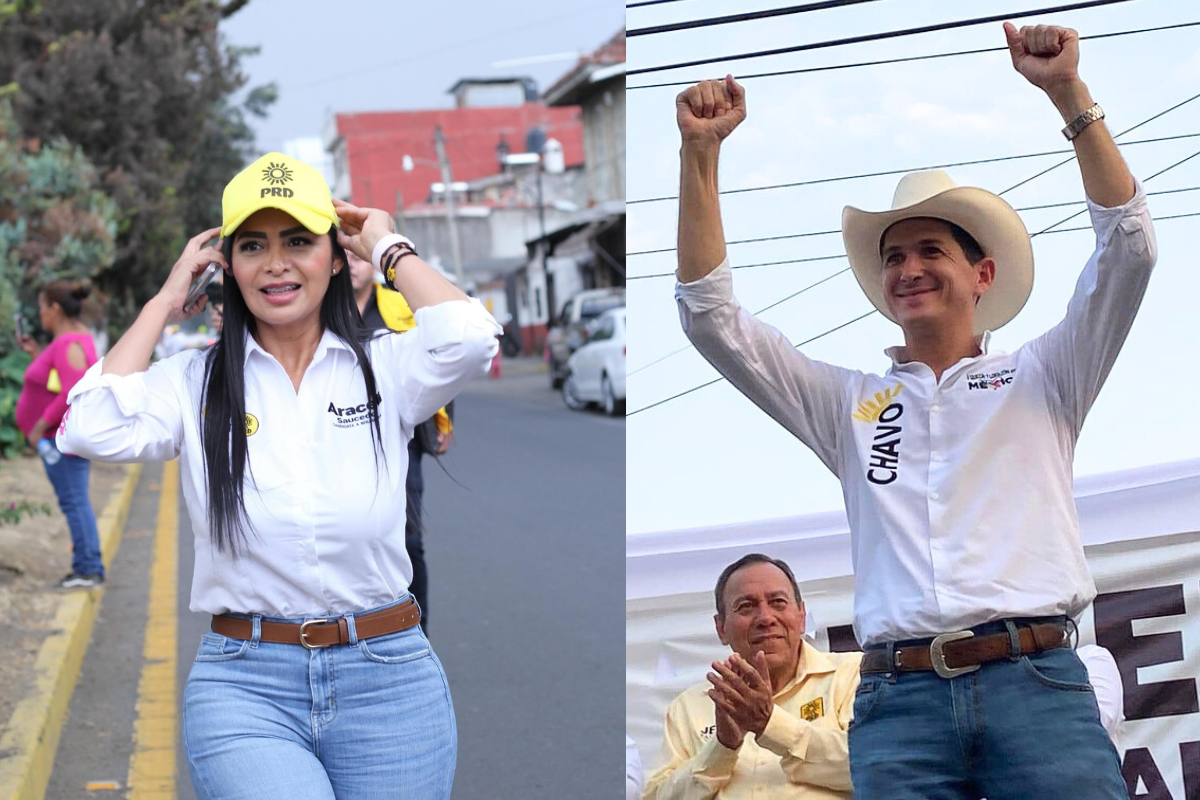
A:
(304, 633)
(938, 658)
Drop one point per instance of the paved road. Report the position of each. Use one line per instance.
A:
(527, 596)
(525, 546)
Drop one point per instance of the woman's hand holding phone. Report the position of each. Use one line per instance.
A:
(191, 264)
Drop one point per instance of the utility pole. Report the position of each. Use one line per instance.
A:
(456, 250)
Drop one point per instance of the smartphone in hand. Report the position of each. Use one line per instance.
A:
(19, 325)
(200, 285)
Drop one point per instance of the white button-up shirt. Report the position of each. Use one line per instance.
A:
(958, 491)
(328, 523)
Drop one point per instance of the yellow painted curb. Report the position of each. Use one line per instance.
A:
(31, 739)
(152, 767)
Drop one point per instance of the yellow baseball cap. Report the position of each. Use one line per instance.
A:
(278, 181)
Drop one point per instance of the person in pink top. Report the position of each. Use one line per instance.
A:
(40, 409)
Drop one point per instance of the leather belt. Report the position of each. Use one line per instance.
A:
(315, 633)
(961, 652)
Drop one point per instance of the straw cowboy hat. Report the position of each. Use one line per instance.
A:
(989, 219)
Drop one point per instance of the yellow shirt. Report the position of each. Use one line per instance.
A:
(802, 753)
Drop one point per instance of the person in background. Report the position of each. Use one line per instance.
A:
(382, 308)
(40, 409)
(772, 719)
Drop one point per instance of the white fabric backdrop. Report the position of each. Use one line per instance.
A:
(1141, 532)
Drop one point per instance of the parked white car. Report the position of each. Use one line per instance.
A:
(596, 371)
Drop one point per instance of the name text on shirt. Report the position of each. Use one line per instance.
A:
(884, 464)
(353, 416)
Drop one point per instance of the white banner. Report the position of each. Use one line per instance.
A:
(1142, 538)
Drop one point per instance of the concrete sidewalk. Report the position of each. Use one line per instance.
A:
(30, 739)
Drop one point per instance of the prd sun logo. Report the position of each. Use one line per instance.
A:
(277, 173)
(870, 410)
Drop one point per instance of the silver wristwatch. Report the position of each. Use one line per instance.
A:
(1082, 121)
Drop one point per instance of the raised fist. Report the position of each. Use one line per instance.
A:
(1046, 55)
(710, 110)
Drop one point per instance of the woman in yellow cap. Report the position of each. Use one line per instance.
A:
(316, 680)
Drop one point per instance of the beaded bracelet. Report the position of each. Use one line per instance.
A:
(388, 253)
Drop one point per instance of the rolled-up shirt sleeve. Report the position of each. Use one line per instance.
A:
(1079, 352)
(452, 343)
(136, 417)
(805, 396)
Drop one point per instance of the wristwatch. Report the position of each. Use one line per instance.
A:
(1075, 126)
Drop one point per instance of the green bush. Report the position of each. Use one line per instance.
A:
(12, 373)
(55, 222)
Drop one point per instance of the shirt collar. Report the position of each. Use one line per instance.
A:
(984, 341)
(329, 341)
(812, 662)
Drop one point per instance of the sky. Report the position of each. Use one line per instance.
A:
(712, 458)
(373, 55)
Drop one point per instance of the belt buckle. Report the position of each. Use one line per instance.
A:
(938, 657)
(304, 633)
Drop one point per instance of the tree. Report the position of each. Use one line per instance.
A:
(55, 222)
(143, 87)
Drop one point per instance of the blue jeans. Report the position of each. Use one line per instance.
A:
(371, 719)
(69, 477)
(1026, 728)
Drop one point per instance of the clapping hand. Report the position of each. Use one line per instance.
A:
(742, 692)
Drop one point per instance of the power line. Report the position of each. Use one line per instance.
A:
(718, 380)
(650, 3)
(846, 324)
(1152, 177)
(864, 316)
(749, 266)
(1049, 232)
(1043, 172)
(1117, 136)
(874, 37)
(764, 309)
(830, 233)
(741, 241)
(905, 59)
(744, 17)
(952, 165)
(490, 37)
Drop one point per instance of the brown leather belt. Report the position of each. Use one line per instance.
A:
(961, 652)
(316, 633)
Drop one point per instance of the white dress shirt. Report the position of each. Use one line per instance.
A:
(1105, 678)
(958, 491)
(328, 523)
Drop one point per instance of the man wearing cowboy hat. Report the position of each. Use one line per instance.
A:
(956, 463)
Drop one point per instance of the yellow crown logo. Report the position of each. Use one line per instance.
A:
(869, 410)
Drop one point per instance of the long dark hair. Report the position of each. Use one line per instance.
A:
(223, 414)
